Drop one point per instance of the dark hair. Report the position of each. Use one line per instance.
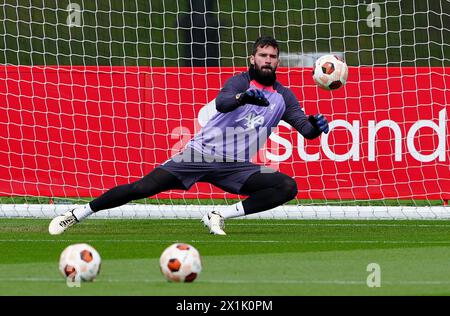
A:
(264, 41)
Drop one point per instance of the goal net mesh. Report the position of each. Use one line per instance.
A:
(95, 94)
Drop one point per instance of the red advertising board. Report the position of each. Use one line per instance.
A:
(78, 131)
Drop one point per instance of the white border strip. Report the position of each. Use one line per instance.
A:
(196, 211)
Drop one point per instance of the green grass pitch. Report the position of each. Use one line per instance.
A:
(257, 257)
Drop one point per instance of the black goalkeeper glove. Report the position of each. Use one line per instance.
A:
(320, 122)
(252, 97)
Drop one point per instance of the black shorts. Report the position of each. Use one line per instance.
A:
(191, 166)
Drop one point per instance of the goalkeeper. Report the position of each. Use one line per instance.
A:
(249, 107)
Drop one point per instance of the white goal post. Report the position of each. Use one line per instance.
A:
(97, 94)
(193, 211)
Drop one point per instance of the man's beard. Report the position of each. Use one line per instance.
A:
(264, 77)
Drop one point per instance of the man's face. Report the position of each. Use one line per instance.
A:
(265, 60)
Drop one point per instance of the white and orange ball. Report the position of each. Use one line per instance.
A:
(79, 262)
(180, 262)
(330, 72)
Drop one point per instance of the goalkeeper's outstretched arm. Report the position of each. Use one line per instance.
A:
(226, 101)
(309, 127)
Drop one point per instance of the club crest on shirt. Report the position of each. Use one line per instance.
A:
(251, 120)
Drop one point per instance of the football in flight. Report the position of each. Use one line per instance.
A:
(330, 72)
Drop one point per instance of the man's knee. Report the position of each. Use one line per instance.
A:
(288, 187)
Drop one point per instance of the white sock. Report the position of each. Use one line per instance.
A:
(234, 210)
(83, 212)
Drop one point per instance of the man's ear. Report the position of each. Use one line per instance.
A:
(252, 59)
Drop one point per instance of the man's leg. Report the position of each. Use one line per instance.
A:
(265, 191)
(157, 181)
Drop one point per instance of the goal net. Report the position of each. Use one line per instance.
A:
(94, 94)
